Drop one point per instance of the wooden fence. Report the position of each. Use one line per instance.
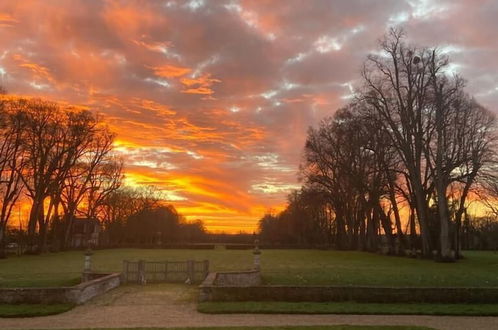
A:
(142, 271)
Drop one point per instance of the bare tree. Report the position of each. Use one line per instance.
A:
(79, 181)
(106, 178)
(44, 146)
(397, 89)
(435, 127)
(348, 157)
(412, 136)
(116, 208)
(54, 142)
(10, 167)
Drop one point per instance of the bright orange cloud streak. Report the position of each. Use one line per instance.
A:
(170, 71)
(200, 85)
(7, 20)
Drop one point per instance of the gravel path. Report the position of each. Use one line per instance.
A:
(169, 305)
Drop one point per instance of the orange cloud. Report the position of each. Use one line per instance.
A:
(129, 20)
(201, 85)
(153, 46)
(39, 72)
(237, 211)
(7, 20)
(170, 71)
(217, 116)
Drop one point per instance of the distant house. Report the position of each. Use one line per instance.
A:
(85, 232)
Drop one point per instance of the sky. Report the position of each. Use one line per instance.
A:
(211, 100)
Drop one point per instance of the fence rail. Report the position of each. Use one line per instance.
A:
(142, 271)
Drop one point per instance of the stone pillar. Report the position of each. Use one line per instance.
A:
(141, 272)
(206, 269)
(159, 236)
(257, 254)
(87, 269)
(190, 272)
(124, 274)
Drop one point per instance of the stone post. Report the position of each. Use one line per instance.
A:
(257, 254)
(206, 269)
(87, 268)
(159, 241)
(190, 272)
(141, 272)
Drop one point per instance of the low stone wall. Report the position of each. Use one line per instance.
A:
(243, 278)
(36, 295)
(96, 287)
(77, 294)
(358, 294)
(238, 279)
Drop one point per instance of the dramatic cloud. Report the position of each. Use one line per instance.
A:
(211, 100)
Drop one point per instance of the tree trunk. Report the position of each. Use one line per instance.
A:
(442, 203)
(421, 209)
(386, 225)
(34, 214)
(2, 240)
(397, 218)
(42, 230)
(362, 239)
(459, 213)
(444, 234)
(413, 230)
(341, 231)
(69, 226)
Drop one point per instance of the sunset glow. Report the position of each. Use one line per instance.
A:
(211, 100)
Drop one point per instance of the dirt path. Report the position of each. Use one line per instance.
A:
(172, 306)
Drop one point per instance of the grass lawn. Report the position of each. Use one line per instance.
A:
(291, 267)
(323, 327)
(347, 308)
(30, 310)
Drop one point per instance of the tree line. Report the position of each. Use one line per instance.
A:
(60, 160)
(140, 216)
(397, 166)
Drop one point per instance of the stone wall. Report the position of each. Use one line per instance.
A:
(358, 294)
(77, 294)
(243, 278)
(240, 279)
(36, 295)
(96, 287)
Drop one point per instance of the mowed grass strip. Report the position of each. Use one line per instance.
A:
(322, 327)
(347, 308)
(32, 310)
(280, 267)
(306, 267)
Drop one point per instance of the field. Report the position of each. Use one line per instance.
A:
(293, 267)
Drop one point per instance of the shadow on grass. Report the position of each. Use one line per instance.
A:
(33, 310)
